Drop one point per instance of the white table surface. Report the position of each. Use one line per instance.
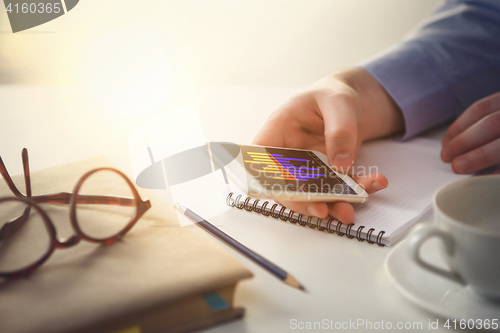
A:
(345, 279)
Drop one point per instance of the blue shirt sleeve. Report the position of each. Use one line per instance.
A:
(448, 63)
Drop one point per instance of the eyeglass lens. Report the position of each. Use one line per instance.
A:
(28, 243)
(102, 220)
(97, 219)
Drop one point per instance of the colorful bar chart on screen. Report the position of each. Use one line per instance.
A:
(279, 166)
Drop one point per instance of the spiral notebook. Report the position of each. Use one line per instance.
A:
(415, 172)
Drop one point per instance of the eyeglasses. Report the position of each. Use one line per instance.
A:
(96, 213)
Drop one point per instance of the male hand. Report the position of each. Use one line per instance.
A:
(472, 142)
(334, 116)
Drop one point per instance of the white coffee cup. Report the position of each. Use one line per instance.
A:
(467, 216)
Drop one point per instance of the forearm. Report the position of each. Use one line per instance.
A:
(381, 116)
(447, 64)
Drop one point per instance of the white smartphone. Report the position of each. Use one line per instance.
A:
(284, 174)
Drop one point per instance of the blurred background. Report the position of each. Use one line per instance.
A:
(107, 66)
(185, 44)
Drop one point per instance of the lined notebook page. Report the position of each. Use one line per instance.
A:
(415, 172)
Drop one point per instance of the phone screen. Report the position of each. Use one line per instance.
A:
(294, 170)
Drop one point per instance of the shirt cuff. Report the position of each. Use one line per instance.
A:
(415, 83)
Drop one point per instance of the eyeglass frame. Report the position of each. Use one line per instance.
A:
(64, 198)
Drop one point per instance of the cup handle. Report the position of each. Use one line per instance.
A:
(419, 237)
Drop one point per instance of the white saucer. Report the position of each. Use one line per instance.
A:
(434, 293)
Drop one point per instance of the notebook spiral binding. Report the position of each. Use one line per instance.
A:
(278, 212)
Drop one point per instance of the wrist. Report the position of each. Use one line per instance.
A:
(381, 116)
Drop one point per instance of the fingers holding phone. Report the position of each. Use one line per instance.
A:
(342, 211)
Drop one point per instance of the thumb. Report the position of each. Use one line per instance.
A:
(340, 116)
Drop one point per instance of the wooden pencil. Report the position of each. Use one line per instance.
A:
(233, 243)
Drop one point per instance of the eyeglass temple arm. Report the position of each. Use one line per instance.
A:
(10, 227)
(59, 198)
(65, 197)
(8, 179)
(62, 198)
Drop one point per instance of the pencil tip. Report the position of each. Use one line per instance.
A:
(291, 281)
